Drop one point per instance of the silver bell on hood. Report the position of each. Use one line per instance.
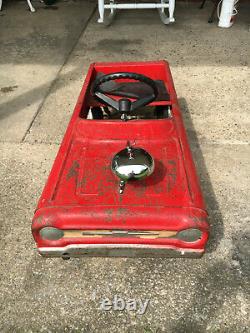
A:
(132, 164)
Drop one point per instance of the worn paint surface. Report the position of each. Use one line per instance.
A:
(82, 191)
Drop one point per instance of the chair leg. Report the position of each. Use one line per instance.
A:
(203, 3)
(101, 11)
(171, 10)
(32, 9)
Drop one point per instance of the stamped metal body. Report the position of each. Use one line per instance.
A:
(81, 212)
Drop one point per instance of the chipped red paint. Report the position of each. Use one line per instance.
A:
(82, 192)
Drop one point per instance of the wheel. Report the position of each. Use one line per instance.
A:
(65, 256)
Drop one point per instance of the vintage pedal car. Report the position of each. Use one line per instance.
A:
(123, 182)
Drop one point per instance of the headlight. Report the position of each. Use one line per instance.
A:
(51, 233)
(189, 235)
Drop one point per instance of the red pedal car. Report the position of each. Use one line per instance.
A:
(123, 182)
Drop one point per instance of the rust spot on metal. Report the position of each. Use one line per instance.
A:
(82, 182)
(171, 175)
(39, 220)
(140, 188)
(73, 171)
(45, 221)
(198, 220)
(120, 213)
(123, 212)
(109, 215)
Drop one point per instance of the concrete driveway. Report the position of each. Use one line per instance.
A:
(43, 60)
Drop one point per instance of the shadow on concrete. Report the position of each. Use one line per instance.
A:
(215, 215)
(215, 287)
(20, 102)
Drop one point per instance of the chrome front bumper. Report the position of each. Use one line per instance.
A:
(118, 250)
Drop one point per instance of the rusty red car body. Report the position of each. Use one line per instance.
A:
(80, 198)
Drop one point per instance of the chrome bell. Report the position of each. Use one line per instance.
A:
(132, 164)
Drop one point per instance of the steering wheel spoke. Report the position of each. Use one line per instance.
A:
(142, 102)
(107, 100)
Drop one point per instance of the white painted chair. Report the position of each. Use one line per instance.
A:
(32, 9)
(162, 6)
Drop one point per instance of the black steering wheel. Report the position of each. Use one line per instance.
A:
(124, 105)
